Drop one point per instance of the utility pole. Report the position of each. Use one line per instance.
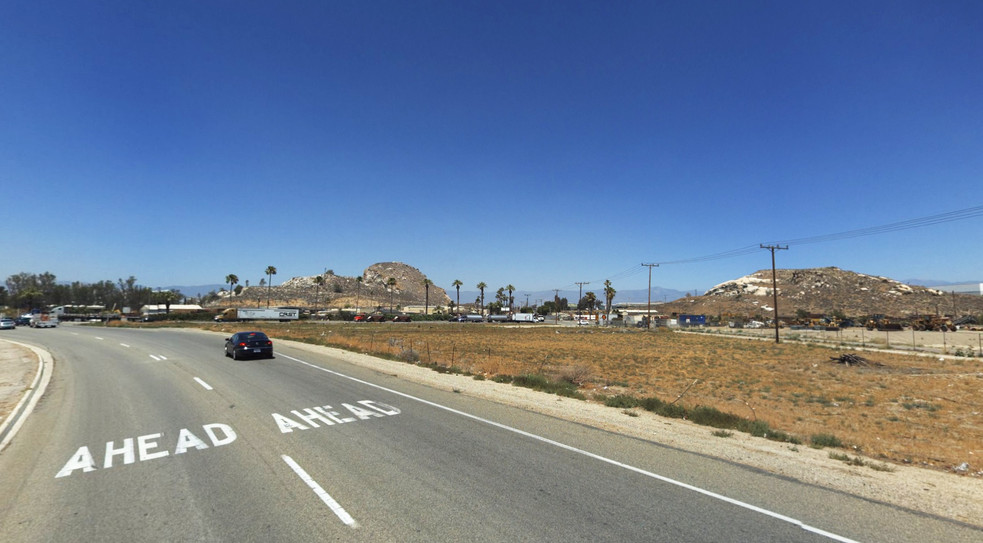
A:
(556, 304)
(774, 281)
(648, 324)
(581, 296)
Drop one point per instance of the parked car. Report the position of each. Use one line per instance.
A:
(249, 344)
(22, 321)
(7, 324)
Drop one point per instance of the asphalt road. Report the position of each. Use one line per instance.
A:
(154, 435)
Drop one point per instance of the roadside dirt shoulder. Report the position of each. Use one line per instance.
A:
(18, 368)
(937, 493)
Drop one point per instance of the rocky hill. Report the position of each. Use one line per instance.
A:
(825, 291)
(340, 292)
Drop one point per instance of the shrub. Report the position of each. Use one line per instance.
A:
(542, 384)
(624, 401)
(408, 355)
(819, 441)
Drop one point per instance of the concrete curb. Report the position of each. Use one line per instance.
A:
(10, 425)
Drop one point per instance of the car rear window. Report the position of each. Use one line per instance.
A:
(253, 335)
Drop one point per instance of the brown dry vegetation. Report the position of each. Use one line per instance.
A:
(917, 410)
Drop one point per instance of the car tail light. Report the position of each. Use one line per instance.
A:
(242, 344)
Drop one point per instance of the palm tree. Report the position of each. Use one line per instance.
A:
(457, 284)
(318, 281)
(231, 279)
(391, 283)
(590, 300)
(358, 290)
(270, 271)
(510, 288)
(482, 286)
(609, 293)
(426, 304)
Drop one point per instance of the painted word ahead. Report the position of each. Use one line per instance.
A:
(325, 415)
(148, 447)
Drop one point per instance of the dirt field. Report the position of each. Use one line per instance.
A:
(919, 410)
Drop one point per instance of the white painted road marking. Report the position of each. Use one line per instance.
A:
(202, 383)
(155, 358)
(125, 345)
(219, 434)
(336, 508)
(588, 454)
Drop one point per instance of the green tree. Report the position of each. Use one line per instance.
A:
(270, 272)
(500, 297)
(426, 303)
(609, 293)
(511, 289)
(457, 285)
(391, 283)
(482, 286)
(591, 302)
(232, 279)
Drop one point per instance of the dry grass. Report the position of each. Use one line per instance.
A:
(916, 410)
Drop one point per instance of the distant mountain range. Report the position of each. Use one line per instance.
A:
(936, 283)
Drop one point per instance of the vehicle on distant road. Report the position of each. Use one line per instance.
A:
(249, 345)
(7, 324)
(282, 314)
(43, 320)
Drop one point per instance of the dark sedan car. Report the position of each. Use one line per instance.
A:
(249, 345)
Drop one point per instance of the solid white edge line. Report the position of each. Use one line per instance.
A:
(335, 507)
(204, 384)
(588, 454)
(38, 386)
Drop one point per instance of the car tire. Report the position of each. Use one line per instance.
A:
(234, 355)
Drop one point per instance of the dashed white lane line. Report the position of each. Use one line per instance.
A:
(204, 384)
(125, 345)
(335, 507)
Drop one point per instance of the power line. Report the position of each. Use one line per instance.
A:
(921, 222)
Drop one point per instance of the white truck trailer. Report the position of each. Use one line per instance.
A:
(281, 314)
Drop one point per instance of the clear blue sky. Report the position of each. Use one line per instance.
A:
(531, 143)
